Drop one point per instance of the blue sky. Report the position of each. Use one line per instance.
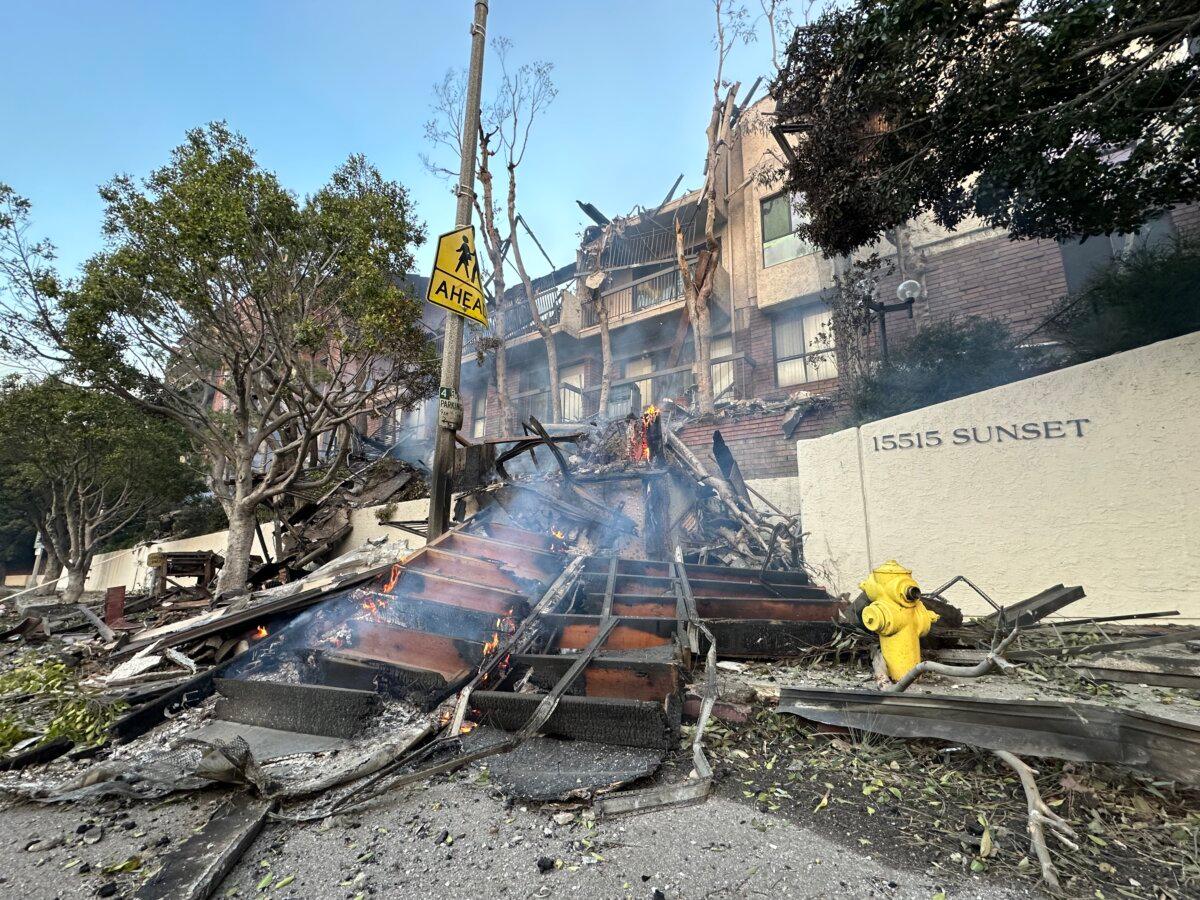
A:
(93, 89)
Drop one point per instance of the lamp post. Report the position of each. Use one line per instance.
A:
(906, 292)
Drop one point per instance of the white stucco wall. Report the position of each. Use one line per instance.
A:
(128, 567)
(1111, 503)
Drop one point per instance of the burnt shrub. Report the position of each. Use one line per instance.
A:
(1151, 295)
(943, 360)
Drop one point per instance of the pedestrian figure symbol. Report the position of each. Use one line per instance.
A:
(465, 256)
(455, 283)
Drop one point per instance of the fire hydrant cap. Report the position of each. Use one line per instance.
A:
(891, 567)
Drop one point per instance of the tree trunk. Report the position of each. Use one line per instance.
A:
(495, 250)
(606, 357)
(237, 550)
(530, 295)
(702, 331)
(76, 577)
(506, 425)
(49, 583)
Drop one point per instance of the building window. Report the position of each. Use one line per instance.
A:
(479, 415)
(1084, 260)
(804, 346)
(722, 373)
(779, 223)
(570, 392)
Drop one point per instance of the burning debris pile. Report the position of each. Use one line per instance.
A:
(638, 467)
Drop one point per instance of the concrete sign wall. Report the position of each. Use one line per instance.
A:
(1089, 475)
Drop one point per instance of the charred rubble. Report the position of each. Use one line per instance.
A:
(604, 594)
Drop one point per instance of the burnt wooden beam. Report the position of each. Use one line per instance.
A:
(700, 572)
(574, 632)
(513, 535)
(302, 708)
(528, 561)
(195, 868)
(655, 606)
(476, 571)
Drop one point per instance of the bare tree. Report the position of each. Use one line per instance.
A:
(524, 94)
(699, 281)
(606, 356)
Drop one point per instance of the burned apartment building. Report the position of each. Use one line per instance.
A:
(769, 309)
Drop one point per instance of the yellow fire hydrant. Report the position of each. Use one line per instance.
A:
(897, 615)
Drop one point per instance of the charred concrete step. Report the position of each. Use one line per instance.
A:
(524, 559)
(304, 708)
(802, 610)
(514, 535)
(698, 572)
(718, 588)
(631, 678)
(601, 720)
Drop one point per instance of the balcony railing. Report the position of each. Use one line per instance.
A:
(518, 319)
(630, 395)
(576, 405)
(645, 293)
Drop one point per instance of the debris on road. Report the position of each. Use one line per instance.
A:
(605, 625)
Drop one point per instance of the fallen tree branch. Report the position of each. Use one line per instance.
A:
(1040, 815)
(993, 661)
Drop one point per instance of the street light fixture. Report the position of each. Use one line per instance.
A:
(906, 292)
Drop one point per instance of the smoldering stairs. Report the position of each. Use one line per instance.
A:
(494, 595)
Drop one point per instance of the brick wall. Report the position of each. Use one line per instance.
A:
(757, 443)
(1018, 282)
(1187, 221)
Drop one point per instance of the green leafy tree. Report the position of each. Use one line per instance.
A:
(1048, 118)
(78, 466)
(262, 324)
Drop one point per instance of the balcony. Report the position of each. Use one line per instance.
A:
(635, 297)
(632, 395)
(518, 319)
(576, 404)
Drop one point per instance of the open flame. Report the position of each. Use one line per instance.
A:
(560, 538)
(397, 569)
(640, 437)
(259, 633)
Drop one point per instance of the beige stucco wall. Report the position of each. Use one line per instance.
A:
(1112, 503)
(754, 151)
(128, 567)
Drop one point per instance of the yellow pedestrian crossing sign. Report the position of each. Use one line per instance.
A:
(455, 282)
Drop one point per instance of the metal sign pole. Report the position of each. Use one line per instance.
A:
(443, 454)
